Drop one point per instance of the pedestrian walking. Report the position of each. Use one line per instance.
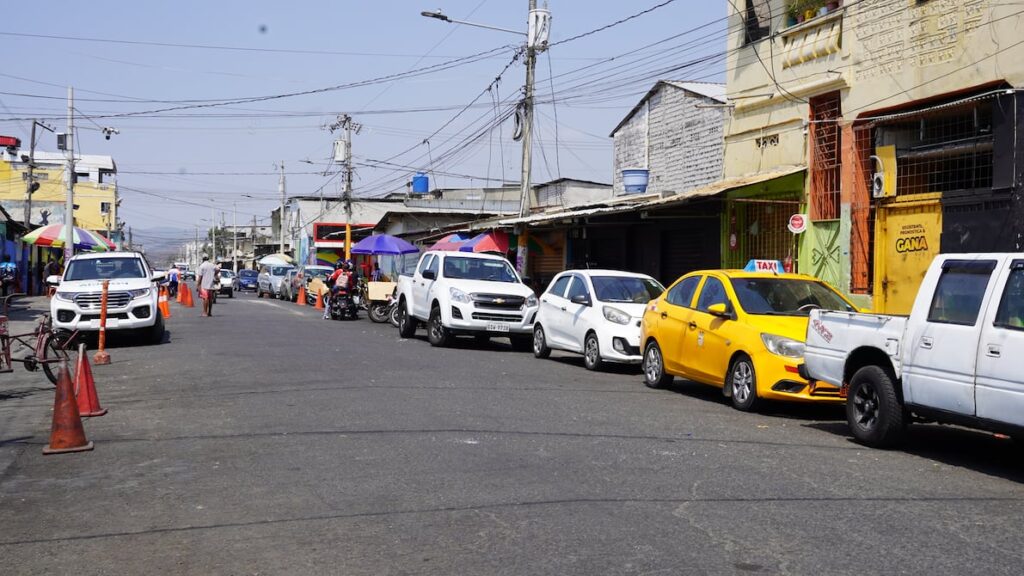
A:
(206, 278)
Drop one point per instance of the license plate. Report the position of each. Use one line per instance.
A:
(95, 323)
(497, 327)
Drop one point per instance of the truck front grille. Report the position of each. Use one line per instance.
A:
(497, 301)
(489, 317)
(92, 300)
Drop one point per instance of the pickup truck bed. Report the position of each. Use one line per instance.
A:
(832, 337)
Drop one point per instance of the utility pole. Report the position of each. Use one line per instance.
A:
(345, 121)
(69, 180)
(195, 250)
(131, 239)
(536, 41)
(213, 235)
(234, 237)
(30, 184)
(281, 189)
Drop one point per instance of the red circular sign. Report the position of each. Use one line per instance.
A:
(797, 223)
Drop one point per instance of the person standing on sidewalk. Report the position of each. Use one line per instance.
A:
(206, 278)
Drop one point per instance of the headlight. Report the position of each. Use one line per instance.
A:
(138, 293)
(458, 295)
(782, 346)
(615, 315)
(66, 296)
(531, 301)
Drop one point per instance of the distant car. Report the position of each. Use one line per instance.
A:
(228, 283)
(188, 275)
(247, 280)
(595, 313)
(269, 282)
(289, 289)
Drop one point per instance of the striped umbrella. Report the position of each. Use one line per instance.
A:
(53, 236)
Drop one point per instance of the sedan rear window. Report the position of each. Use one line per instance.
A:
(626, 289)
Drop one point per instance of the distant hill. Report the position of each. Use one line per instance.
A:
(162, 244)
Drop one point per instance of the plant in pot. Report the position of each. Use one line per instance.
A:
(811, 8)
(793, 13)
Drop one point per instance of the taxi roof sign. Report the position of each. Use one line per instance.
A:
(774, 266)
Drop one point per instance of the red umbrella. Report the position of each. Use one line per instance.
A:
(450, 243)
(493, 241)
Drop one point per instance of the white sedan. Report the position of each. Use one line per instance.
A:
(595, 313)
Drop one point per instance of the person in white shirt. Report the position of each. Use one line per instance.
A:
(206, 278)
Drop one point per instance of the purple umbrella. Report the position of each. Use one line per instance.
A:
(383, 244)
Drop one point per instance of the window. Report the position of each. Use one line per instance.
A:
(682, 293)
(785, 297)
(104, 207)
(105, 268)
(478, 269)
(558, 288)
(434, 265)
(826, 142)
(1011, 307)
(424, 264)
(756, 20)
(712, 293)
(961, 289)
(626, 289)
(578, 288)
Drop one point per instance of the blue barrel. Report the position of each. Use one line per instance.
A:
(420, 183)
(635, 181)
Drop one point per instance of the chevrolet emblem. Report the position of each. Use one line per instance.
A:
(499, 300)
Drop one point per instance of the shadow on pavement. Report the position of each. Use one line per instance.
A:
(792, 410)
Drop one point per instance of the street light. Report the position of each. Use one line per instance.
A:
(438, 15)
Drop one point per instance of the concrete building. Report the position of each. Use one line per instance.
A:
(899, 121)
(675, 132)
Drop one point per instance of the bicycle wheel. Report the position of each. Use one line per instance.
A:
(58, 348)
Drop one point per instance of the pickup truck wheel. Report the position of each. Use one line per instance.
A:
(437, 334)
(540, 343)
(406, 323)
(155, 334)
(742, 383)
(591, 353)
(654, 367)
(872, 410)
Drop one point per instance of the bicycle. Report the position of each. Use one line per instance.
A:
(51, 346)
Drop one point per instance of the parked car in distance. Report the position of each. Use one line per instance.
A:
(289, 285)
(466, 293)
(740, 331)
(310, 273)
(131, 297)
(188, 275)
(957, 359)
(269, 281)
(247, 280)
(595, 313)
(228, 283)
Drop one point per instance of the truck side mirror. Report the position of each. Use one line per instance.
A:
(53, 280)
(429, 275)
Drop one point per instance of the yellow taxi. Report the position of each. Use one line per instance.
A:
(742, 331)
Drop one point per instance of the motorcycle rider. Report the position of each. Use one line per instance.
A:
(339, 280)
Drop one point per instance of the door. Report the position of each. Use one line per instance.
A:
(706, 345)
(941, 352)
(576, 316)
(421, 286)
(906, 241)
(673, 321)
(552, 311)
(999, 391)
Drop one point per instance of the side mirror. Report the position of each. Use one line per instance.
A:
(581, 299)
(159, 276)
(720, 310)
(53, 280)
(429, 275)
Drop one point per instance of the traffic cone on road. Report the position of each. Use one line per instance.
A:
(186, 298)
(301, 300)
(85, 387)
(177, 296)
(319, 300)
(165, 308)
(66, 433)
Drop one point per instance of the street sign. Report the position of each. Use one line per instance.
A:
(798, 223)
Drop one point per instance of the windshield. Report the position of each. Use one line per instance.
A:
(105, 269)
(279, 270)
(626, 289)
(478, 269)
(226, 274)
(786, 297)
(248, 273)
(321, 273)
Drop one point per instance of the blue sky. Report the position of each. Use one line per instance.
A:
(190, 153)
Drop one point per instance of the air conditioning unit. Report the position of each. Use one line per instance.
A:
(878, 185)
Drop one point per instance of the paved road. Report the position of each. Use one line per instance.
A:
(267, 441)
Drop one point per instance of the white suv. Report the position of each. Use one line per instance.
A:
(131, 297)
(465, 293)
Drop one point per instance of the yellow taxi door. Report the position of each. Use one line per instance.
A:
(673, 318)
(708, 344)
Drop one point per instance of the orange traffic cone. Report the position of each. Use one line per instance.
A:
(319, 300)
(186, 298)
(301, 300)
(66, 433)
(177, 297)
(85, 387)
(165, 308)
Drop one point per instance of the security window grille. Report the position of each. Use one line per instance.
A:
(826, 158)
(862, 213)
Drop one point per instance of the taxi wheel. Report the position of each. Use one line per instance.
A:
(742, 383)
(654, 367)
(540, 343)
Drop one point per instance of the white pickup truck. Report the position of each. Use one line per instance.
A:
(957, 359)
(465, 293)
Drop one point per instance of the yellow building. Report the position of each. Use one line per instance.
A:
(904, 115)
(95, 193)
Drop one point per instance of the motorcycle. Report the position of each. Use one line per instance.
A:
(343, 305)
(382, 311)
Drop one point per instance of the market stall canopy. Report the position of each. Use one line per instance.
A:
(54, 236)
(277, 260)
(383, 244)
(450, 243)
(493, 241)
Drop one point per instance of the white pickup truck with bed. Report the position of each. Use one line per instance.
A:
(466, 293)
(957, 359)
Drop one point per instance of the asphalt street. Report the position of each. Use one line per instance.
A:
(265, 440)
